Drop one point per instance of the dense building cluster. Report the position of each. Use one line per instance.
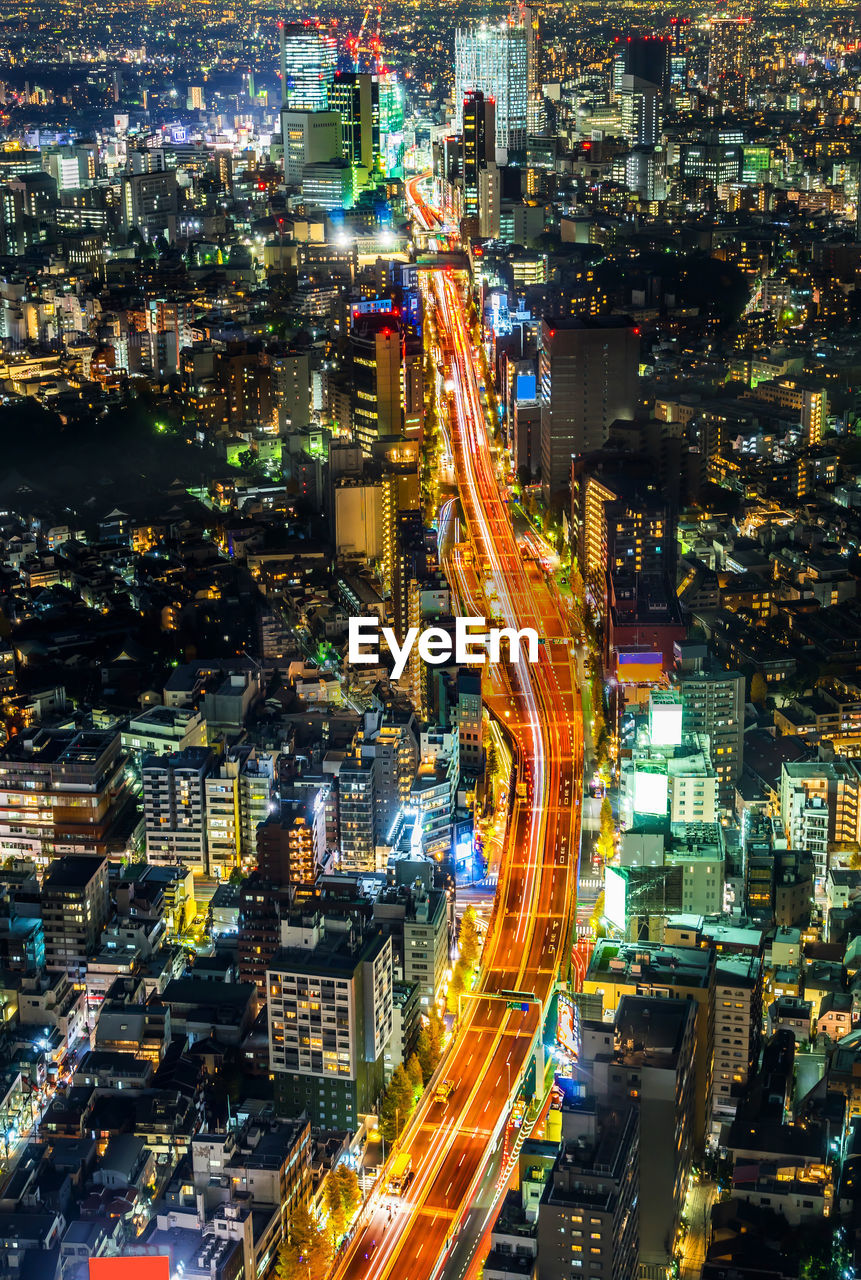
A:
(245, 878)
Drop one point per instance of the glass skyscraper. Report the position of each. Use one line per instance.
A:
(493, 59)
(309, 55)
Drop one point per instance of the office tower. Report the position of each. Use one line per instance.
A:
(645, 58)
(729, 58)
(648, 1055)
(329, 185)
(587, 378)
(535, 113)
(738, 1031)
(356, 97)
(64, 791)
(368, 501)
(309, 55)
(478, 146)
(309, 138)
(588, 1217)
(330, 1018)
(713, 704)
(174, 803)
(391, 122)
(72, 167)
(489, 202)
(386, 388)
(357, 815)
(75, 909)
(195, 99)
(679, 37)
(151, 204)
(494, 60)
(641, 111)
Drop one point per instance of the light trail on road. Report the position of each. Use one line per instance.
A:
(530, 929)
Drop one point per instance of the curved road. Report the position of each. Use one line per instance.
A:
(530, 930)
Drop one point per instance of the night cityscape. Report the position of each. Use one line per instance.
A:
(430, 640)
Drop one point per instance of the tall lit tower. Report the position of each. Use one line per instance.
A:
(355, 95)
(534, 70)
(309, 55)
(478, 146)
(729, 58)
(494, 59)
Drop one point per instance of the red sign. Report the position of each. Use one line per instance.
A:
(156, 1267)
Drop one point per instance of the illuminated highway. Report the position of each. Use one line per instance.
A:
(530, 929)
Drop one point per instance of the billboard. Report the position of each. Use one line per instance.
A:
(650, 793)
(616, 897)
(526, 387)
(637, 667)
(567, 1031)
(665, 719)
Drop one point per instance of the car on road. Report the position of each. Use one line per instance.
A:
(443, 1091)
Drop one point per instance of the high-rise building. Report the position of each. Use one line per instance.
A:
(588, 1218)
(375, 343)
(478, 146)
(647, 1057)
(238, 794)
(494, 60)
(291, 843)
(677, 974)
(221, 808)
(64, 791)
(468, 718)
(535, 112)
(820, 805)
(417, 920)
(434, 793)
(355, 96)
(738, 1031)
(330, 1019)
(391, 743)
(386, 386)
(357, 815)
(291, 386)
(309, 138)
(587, 377)
(645, 58)
(729, 58)
(174, 803)
(392, 123)
(309, 55)
(151, 203)
(75, 908)
(679, 37)
(641, 111)
(713, 704)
